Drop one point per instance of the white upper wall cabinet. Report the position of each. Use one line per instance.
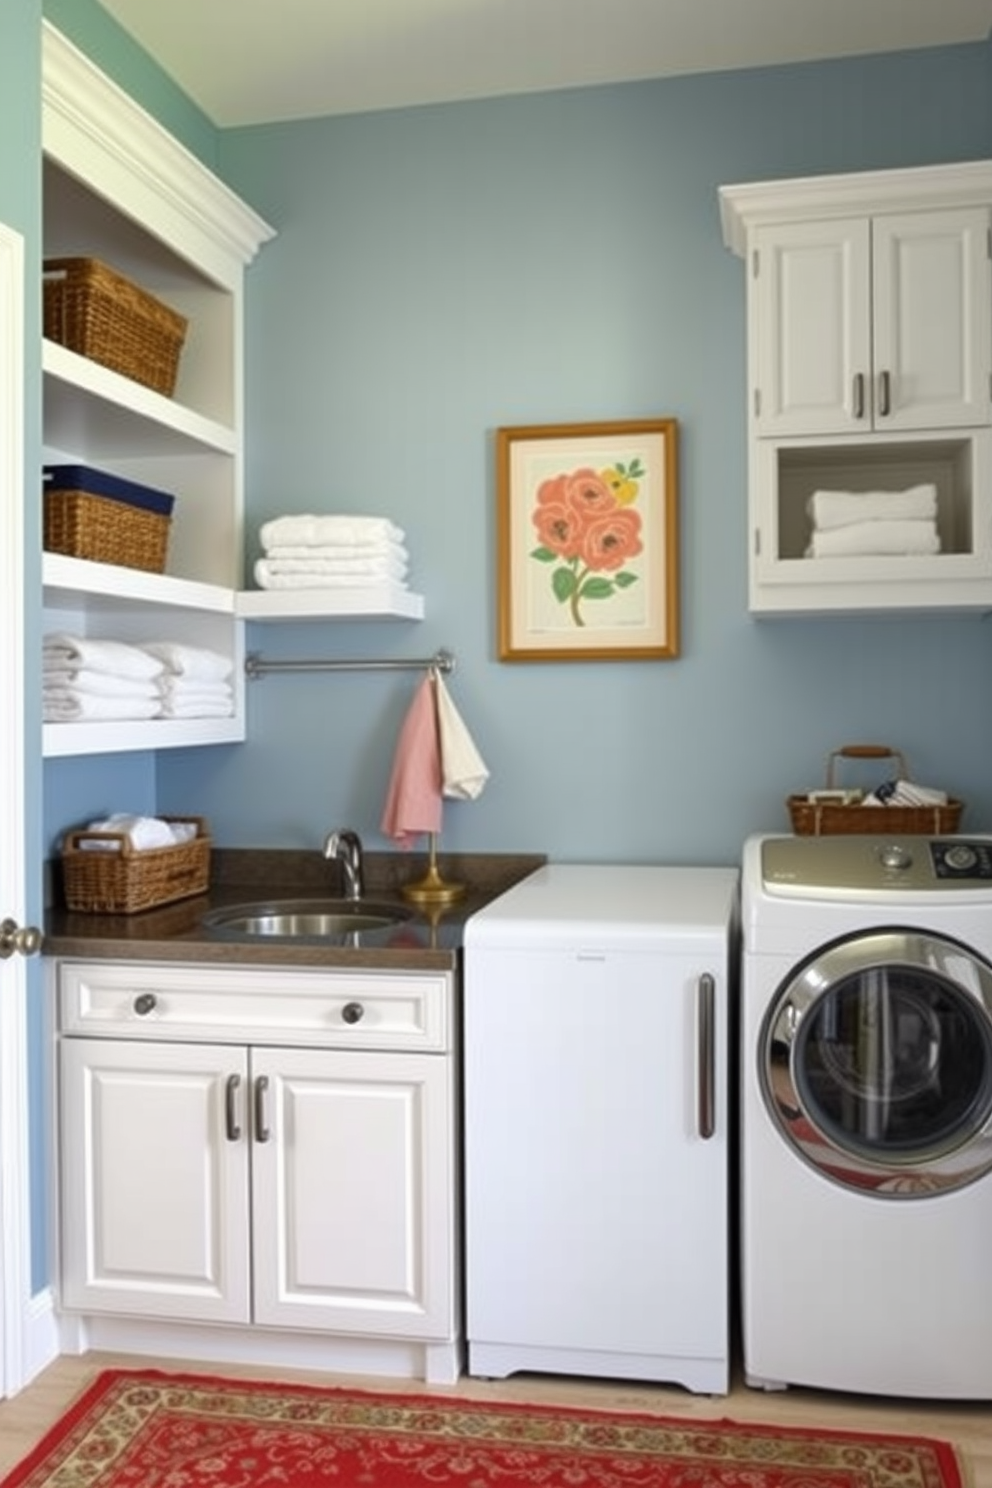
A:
(869, 317)
(880, 323)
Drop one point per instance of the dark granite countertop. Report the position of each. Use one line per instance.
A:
(430, 940)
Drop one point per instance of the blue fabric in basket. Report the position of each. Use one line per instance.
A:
(100, 483)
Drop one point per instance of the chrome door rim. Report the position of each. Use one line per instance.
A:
(938, 1167)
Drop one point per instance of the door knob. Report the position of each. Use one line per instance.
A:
(25, 939)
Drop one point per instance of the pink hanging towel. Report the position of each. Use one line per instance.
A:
(413, 797)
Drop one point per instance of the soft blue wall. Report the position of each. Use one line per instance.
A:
(442, 271)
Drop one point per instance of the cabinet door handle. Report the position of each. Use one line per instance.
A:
(858, 395)
(231, 1126)
(706, 1039)
(262, 1132)
(884, 394)
(353, 1012)
(145, 1003)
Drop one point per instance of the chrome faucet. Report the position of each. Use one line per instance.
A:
(345, 847)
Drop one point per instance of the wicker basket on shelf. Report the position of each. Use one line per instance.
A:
(92, 309)
(814, 816)
(112, 877)
(90, 514)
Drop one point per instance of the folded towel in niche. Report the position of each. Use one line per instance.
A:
(413, 795)
(827, 509)
(901, 539)
(190, 661)
(116, 657)
(309, 530)
(103, 684)
(63, 705)
(463, 770)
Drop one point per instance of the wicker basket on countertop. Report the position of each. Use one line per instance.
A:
(112, 877)
(92, 309)
(815, 814)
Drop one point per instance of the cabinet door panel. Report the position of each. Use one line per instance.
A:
(932, 319)
(596, 1211)
(352, 1193)
(810, 328)
(154, 1194)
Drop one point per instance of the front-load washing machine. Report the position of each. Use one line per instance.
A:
(866, 1114)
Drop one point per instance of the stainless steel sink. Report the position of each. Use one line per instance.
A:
(337, 920)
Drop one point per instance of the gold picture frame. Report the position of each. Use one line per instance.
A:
(587, 541)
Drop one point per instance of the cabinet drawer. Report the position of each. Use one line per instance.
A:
(327, 1009)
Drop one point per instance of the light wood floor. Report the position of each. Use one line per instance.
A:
(24, 1419)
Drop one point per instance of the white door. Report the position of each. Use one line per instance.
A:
(15, 1270)
(352, 1192)
(154, 1210)
(932, 298)
(811, 331)
(596, 1192)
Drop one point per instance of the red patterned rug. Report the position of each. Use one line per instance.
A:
(146, 1429)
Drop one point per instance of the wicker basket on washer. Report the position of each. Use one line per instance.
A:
(812, 816)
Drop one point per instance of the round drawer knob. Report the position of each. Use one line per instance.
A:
(353, 1012)
(144, 1004)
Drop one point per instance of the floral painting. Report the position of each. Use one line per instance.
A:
(587, 541)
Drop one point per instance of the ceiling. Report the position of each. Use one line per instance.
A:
(261, 61)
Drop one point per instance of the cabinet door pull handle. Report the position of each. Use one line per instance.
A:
(262, 1132)
(858, 395)
(353, 1012)
(706, 1035)
(231, 1126)
(884, 394)
(145, 1003)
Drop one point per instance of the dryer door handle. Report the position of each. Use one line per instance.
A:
(706, 1056)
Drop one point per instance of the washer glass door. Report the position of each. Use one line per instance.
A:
(876, 1062)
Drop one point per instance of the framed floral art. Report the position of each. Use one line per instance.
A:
(587, 541)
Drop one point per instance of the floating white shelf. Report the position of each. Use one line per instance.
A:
(377, 602)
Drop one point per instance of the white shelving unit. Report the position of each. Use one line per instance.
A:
(118, 188)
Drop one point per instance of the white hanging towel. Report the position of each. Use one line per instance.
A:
(463, 771)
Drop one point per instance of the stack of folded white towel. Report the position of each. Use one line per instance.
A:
(86, 679)
(195, 683)
(89, 679)
(855, 523)
(331, 552)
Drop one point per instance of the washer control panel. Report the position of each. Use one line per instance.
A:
(962, 859)
(800, 864)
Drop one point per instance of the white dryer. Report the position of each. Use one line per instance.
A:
(866, 1114)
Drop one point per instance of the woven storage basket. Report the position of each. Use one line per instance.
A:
(817, 818)
(93, 310)
(89, 514)
(115, 878)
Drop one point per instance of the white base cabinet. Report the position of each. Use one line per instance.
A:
(224, 1180)
(869, 323)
